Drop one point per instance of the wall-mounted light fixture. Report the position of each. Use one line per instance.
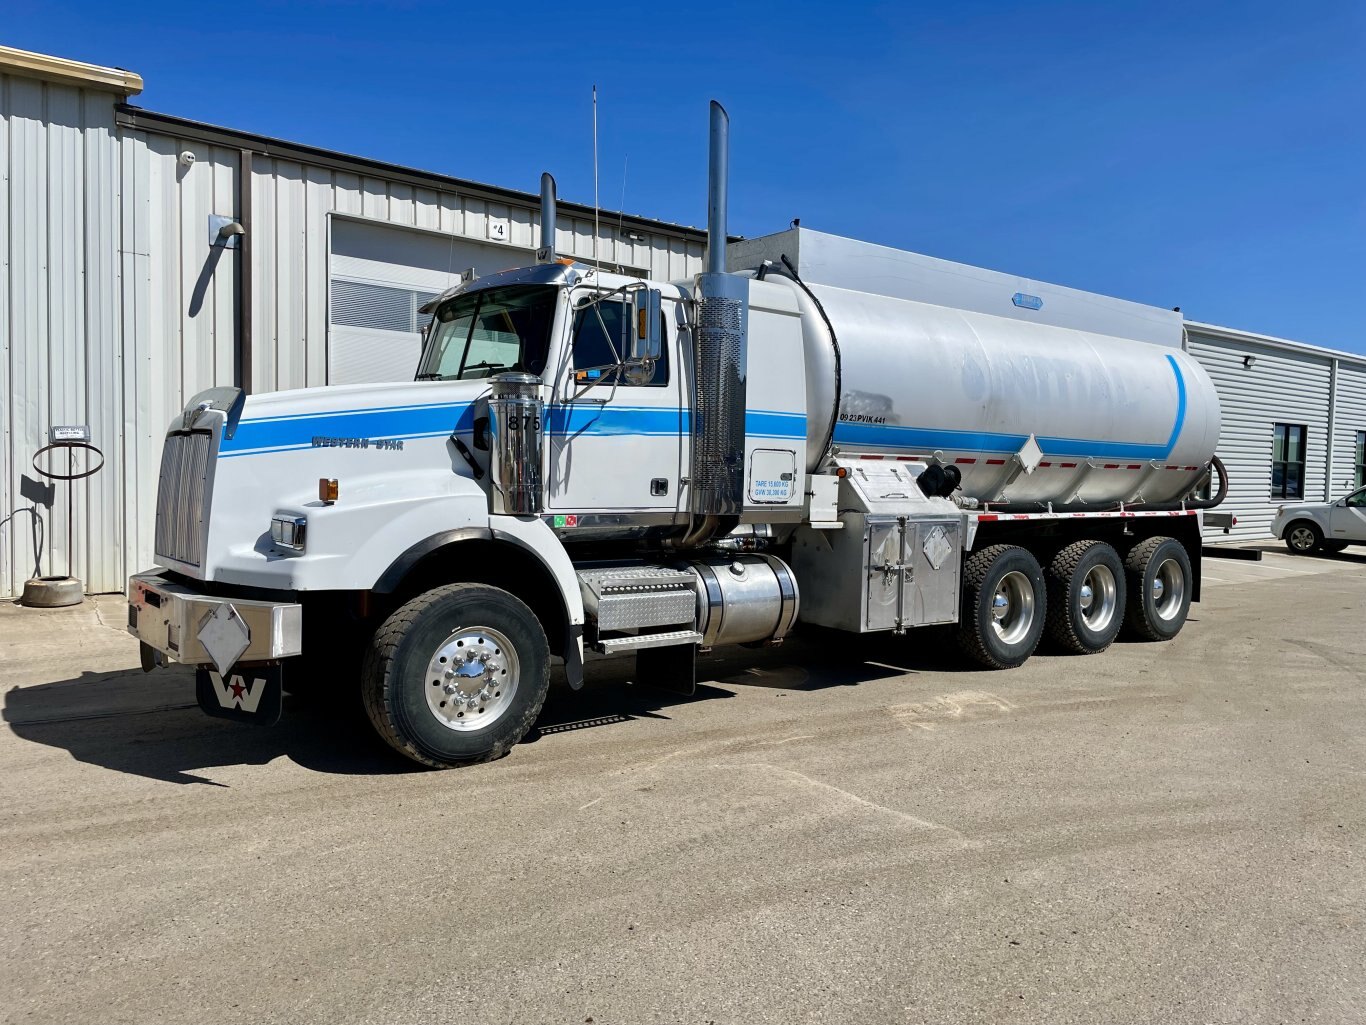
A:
(1249, 362)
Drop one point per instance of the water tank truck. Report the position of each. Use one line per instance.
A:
(812, 431)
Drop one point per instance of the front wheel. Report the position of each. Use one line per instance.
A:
(457, 675)
(1004, 606)
(1159, 579)
(1302, 537)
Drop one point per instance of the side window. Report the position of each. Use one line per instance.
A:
(597, 344)
(1287, 460)
(1357, 501)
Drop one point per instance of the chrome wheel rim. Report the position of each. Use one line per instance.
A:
(1169, 589)
(471, 679)
(1099, 598)
(1012, 608)
(1302, 538)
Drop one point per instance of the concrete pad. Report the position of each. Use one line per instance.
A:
(848, 829)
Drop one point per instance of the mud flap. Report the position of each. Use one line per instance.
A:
(672, 668)
(253, 694)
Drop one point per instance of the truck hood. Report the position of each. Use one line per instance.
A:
(352, 416)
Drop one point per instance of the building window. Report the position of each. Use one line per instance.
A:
(1287, 461)
(1361, 459)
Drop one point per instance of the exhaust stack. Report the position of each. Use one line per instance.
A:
(546, 254)
(720, 340)
(718, 173)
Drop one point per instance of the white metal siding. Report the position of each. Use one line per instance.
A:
(1351, 418)
(59, 326)
(1280, 387)
(290, 204)
(115, 309)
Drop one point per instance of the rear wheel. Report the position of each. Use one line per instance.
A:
(1085, 597)
(1303, 537)
(1004, 606)
(457, 675)
(1159, 581)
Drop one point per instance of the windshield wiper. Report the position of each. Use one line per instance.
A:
(481, 366)
(428, 377)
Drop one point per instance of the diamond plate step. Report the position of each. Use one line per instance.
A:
(638, 597)
(612, 645)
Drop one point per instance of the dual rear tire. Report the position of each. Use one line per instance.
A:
(1082, 601)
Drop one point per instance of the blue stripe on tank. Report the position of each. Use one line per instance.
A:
(923, 439)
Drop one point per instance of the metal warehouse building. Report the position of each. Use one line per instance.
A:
(116, 305)
(120, 298)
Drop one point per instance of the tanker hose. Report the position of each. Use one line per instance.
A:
(834, 344)
(1217, 465)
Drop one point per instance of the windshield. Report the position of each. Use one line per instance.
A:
(489, 332)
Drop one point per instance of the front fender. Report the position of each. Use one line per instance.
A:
(535, 535)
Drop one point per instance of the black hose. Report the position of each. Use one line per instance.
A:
(834, 344)
(1217, 465)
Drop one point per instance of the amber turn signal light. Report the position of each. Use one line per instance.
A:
(327, 490)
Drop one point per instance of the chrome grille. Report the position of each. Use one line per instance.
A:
(183, 496)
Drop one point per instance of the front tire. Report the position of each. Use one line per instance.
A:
(1303, 537)
(1085, 597)
(1005, 602)
(457, 675)
(1158, 575)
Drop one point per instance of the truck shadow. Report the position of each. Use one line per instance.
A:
(150, 726)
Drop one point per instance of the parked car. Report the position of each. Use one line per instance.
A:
(1326, 526)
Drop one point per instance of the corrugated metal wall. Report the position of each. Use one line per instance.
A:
(60, 310)
(180, 300)
(1281, 386)
(115, 308)
(1351, 420)
(290, 207)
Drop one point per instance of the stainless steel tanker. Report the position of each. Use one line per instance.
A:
(813, 431)
(1004, 367)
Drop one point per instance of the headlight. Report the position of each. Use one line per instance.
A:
(289, 531)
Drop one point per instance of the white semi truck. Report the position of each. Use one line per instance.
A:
(824, 432)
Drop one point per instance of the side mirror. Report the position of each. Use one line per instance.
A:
(641, 328)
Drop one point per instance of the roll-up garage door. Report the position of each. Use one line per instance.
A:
(379, 276)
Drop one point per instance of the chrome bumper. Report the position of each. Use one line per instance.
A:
(201, 629)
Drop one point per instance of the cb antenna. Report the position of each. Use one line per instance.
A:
(595, 177)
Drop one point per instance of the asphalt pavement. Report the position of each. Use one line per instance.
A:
(843, 829)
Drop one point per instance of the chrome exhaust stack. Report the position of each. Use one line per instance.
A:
(546, 254)
(720, 341)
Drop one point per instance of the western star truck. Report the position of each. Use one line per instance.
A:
(813, 431)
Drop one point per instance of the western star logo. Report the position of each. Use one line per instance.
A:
(566, 521)
(236, 692)
(382, 444)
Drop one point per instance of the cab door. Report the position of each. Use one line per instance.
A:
(616, 438)
(1347, 519)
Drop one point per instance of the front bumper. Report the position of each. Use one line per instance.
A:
(202, 629)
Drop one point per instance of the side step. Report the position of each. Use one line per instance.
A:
(613, 645)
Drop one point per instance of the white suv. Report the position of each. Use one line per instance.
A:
(1321, 525)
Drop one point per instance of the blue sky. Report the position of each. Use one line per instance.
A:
(1204, 155)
